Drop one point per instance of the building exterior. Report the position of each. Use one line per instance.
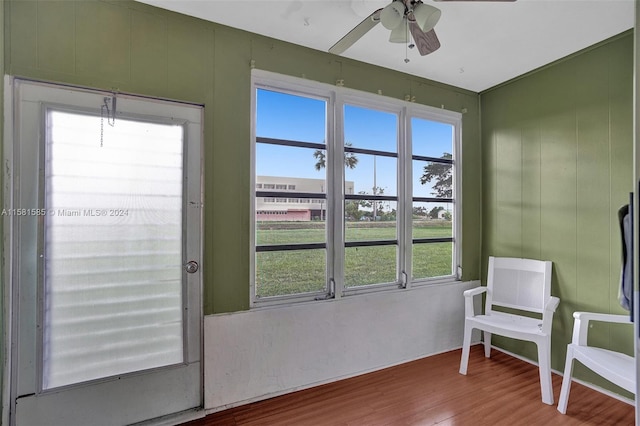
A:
(293, 207)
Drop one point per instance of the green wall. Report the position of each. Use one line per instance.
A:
(139, 49)
(557, 150)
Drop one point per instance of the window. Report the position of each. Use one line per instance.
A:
(290, 256)
(374, 181)
(371, 226)
(433, 198)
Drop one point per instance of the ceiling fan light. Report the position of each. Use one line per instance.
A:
(392, 15)
(426, 16)
(400, 34)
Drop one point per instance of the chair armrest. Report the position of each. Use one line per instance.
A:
(594, 316)
(468, 300)
(581, 324)
(552, 304)
(547, 315)
(474, 291)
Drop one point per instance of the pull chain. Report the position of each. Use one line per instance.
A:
(406, 46)
(111, 116)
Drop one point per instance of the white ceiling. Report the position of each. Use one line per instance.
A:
(483, 43)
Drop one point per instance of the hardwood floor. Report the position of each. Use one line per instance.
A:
(498, 391)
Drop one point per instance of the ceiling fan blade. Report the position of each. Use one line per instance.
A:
(425, 42)
(356, 33)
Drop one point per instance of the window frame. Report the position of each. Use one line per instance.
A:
(336, 98)
(455, 120)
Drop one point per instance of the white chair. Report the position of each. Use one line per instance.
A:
(616, 367)
(521, 284)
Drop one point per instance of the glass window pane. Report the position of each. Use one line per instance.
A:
(290, 162)
(370, 129)
(113, 248)
(284, 116)
(370, 220)
(293, 214)
(370, 265)
(277, 227)
(432, 220)
(374, 175)
(432, 180)
(432, 260)
(280, 273)
(430, 138)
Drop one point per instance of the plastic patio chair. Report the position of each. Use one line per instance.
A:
(524, 285)
(614, 366)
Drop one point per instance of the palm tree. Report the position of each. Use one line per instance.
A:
(350, 159)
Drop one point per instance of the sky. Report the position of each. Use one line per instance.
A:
(292, 117)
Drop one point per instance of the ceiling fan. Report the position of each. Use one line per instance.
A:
(402, 17)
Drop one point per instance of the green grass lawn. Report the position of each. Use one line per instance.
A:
(291, 272)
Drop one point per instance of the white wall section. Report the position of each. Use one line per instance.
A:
(256, 354)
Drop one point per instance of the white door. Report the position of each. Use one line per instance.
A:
(103, 228)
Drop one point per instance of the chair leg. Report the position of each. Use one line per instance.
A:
(466, 344)
(544, 365)
(566, 381)
(487, 344)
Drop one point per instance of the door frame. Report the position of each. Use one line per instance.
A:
(9, 320)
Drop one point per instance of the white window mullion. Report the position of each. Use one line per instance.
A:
(457, 196)
(337, 145)
(405, 198)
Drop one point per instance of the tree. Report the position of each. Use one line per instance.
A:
(377, 206)
(350, 159)
(433, 214)
(419, 211)
(352, 210)
(441, 174)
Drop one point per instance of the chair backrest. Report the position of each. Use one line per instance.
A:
(523, 284)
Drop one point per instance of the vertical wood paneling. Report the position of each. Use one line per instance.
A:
(188, 69)
(509, 193)
(489, 178)
(293, 61)
(471, 188)
(23, 16)
(230, 208)
(593, 188)
(620, 114)
(575, 128)
(149, 50)
(531, 179)
(56, 53)
(102, 41)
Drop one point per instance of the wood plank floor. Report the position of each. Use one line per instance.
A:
(498, 391)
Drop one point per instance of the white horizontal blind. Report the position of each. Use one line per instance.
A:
(112, 247)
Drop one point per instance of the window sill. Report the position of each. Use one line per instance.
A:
(306, 299)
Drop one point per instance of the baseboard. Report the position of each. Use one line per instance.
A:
(573, 379)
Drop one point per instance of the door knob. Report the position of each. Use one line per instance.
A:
(191, 267)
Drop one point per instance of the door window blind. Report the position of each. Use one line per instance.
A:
(112, 247)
